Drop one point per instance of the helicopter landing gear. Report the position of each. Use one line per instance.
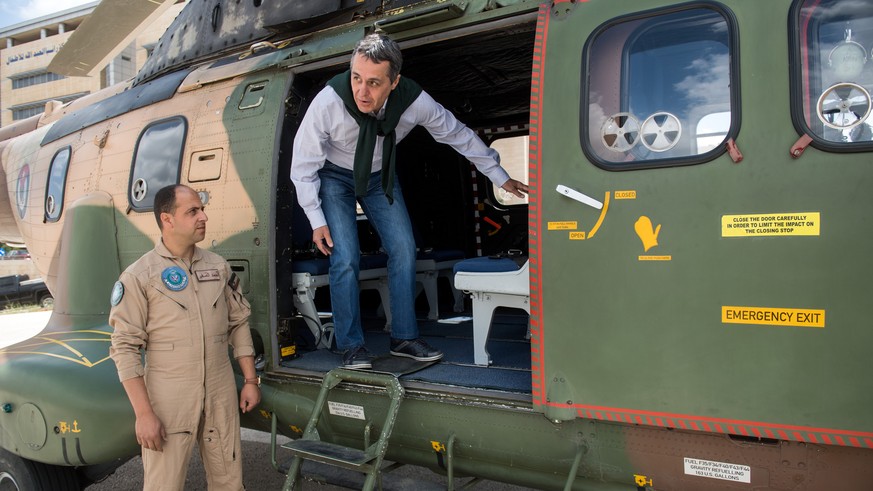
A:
(19, 474)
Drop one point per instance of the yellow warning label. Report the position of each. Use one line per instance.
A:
(770, 224)
(563, 225)
(773, 316)
(289, 350)
(656, 258)
(577, 235)
(625, 195)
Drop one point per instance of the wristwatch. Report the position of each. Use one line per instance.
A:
(255, 381)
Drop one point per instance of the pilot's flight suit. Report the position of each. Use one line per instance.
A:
(184, 317)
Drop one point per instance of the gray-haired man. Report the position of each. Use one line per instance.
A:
(343, 153)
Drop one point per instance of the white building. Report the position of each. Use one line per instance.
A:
(28, 47)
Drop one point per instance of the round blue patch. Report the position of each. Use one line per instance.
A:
(175, 278)
(117, 293)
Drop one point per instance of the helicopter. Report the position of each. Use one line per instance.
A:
(680, 302)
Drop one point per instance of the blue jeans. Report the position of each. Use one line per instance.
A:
(394, 228)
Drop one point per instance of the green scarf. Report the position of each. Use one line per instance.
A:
(398, 101)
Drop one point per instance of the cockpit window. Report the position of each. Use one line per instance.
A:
(832, 47)
(157, 161)
(659, 89)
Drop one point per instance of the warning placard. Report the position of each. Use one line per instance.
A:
(771, 224)
(345, 410)
(718, 470)
(773, 316)
(563, 225)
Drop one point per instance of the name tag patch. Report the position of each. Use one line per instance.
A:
(208, 275)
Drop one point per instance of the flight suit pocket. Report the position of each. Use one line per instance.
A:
(159, 347)
(213, 452)
(169, 317)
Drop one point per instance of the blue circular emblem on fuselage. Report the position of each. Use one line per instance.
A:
(175, 278)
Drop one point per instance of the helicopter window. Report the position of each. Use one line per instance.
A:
(57, 180)
(659, 89)
(157, 161)
(514, 158)
(832, 48)
(253, 96)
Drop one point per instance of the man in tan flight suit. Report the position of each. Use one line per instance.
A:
(182, 305)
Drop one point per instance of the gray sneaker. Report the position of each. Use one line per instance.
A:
(358, 359)
(417, 349)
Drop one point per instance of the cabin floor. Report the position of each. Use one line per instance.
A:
(508, 345)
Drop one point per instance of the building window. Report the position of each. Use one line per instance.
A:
(57, 181)
(19, 81)
(659, 89)
(833, 74)
(27, 112)
(24, 111)
(157, 161)
(120, 68)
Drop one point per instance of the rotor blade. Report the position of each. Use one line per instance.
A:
(112, 26)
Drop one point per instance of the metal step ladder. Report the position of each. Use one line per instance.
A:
(369, 460)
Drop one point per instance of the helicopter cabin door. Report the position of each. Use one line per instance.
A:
(686, 271)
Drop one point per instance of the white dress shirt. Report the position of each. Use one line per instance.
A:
(328, 132)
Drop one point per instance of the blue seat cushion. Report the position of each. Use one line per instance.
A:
(321, 265)
(374, 261)
(440, 255)
(315, 266)
(486, 265)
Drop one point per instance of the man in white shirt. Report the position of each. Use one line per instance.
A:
(343, 154)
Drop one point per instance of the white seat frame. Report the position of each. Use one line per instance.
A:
(489, 291)
(306, 284)
(427, 273)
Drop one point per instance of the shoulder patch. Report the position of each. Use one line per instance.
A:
(117, 293)
(233, 282)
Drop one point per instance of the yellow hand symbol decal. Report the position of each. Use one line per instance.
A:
(646, 233)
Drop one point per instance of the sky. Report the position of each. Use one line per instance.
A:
(15, 11)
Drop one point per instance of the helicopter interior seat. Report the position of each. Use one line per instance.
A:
(431, 264)
(495, 281)
(310, 271)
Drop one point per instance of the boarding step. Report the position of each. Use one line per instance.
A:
(369, 461)
(330, 453)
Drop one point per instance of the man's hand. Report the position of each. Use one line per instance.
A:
(516, 187)
(150, 432)
(321, 238)
(249, 397)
